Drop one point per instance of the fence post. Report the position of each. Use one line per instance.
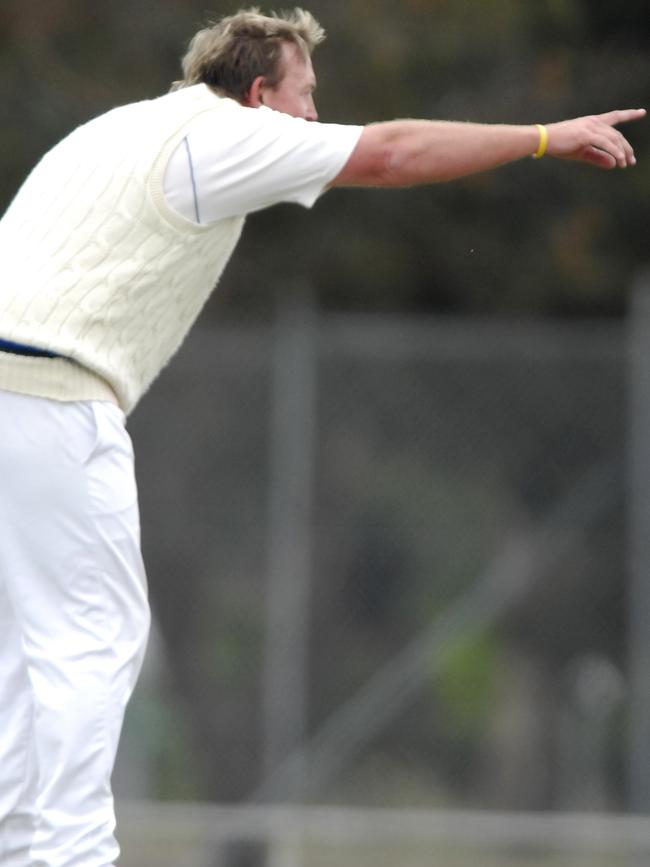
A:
(638, 542)
(289, 534)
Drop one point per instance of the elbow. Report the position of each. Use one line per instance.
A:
(386, 167)
(392, 166)
(380, 159)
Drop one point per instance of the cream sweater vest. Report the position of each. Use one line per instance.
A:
(96, 267)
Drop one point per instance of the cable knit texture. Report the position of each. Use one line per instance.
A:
(96, 266)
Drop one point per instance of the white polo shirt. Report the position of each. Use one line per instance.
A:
(263, 157)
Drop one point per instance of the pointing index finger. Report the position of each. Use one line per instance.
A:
(625, 115)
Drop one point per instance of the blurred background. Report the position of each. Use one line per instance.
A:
(394, 486)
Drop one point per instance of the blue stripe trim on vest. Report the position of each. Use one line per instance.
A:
(21, 349)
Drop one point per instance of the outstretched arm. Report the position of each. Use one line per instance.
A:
(404, 153)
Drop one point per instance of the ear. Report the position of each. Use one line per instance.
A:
(254, 96)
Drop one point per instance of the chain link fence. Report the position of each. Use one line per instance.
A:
(388, 560)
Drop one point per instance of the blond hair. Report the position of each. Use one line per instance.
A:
(229, 54)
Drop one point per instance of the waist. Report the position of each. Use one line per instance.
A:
(53, 376)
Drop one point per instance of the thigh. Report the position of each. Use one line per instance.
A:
(70, 552)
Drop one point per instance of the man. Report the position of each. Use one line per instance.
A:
(109, 251)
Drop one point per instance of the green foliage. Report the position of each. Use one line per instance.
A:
(159, 728)
(465, 684)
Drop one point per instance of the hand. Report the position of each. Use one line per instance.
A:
(594, 139)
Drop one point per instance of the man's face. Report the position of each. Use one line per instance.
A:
(294, 94)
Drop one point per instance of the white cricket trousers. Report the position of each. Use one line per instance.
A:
(74, 620)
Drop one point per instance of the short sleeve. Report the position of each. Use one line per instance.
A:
(231, 163)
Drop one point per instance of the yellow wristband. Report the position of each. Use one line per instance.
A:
(543, 141)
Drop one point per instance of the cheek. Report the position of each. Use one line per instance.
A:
(294, 105)
(287, 102)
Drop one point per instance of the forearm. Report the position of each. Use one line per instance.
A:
(420, 152)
